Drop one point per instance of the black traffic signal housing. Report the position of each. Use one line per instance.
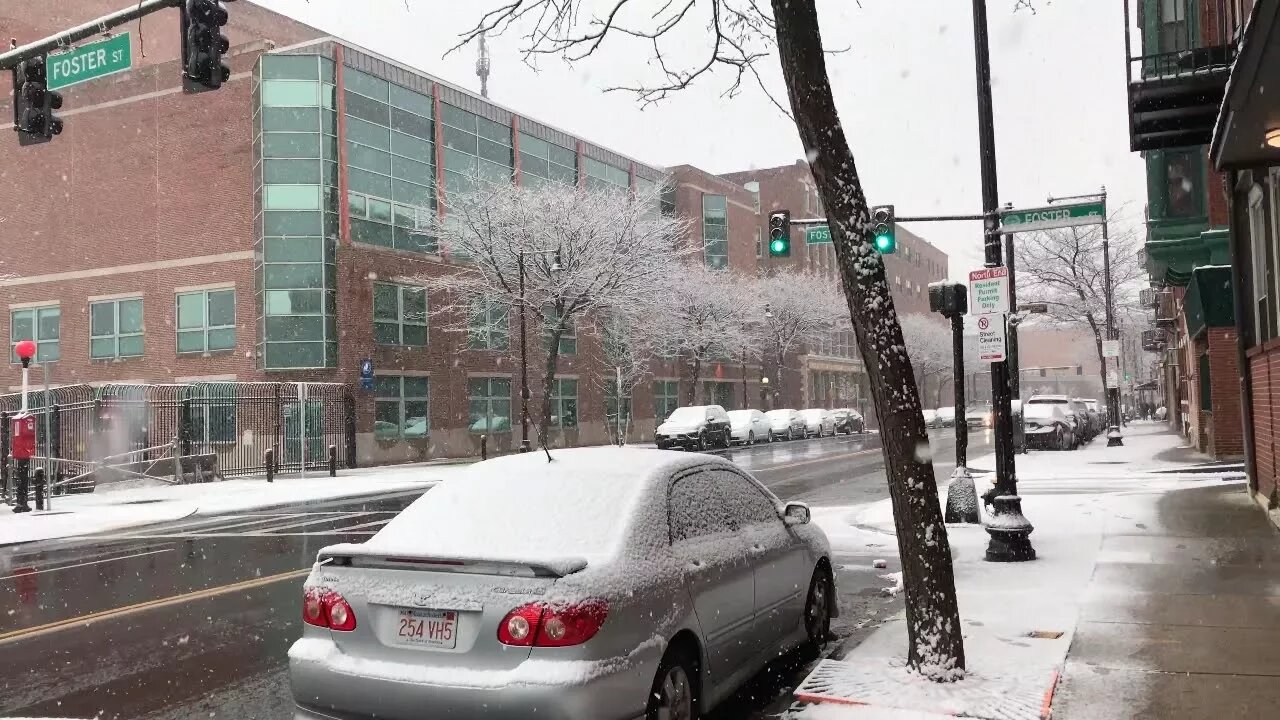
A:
(203, 45)
(885, 230)
(780, 233)
(34, 103)
(948, 299)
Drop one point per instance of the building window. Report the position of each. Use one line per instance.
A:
(474, 147)
(715, 232)
(115, 329)
(542, 161)
(568, 344)
(206, 321)
(40, 325)
(490, 326)
(759, 243)
(1174, 32)
(400, 407)
(611, 403)
(564, 404)
(490, 404)
(1182, 184)
(1262, 247)
(399, 314)
(391, 163)
(603, 175)
(213, 414)
(666, 398)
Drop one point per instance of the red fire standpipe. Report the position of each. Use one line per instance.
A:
(23, 432)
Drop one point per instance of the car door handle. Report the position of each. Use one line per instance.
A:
(758, 549)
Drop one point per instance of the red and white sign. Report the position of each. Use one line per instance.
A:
(989, 291)
(991, 338)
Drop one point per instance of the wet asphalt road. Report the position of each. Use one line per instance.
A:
(194, 618)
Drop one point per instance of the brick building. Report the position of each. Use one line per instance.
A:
(261, 232)
(831, 374)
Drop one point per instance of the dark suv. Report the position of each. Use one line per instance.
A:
(695, 427)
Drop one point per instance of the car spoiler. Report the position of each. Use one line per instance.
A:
(353, 555)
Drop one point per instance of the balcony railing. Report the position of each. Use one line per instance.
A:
(1153, 341)
(1177, 67)
(1147, 297)
(1166, 309)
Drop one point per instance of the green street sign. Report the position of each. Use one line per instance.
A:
(817, 235)
(1054, 216)
(95, 60)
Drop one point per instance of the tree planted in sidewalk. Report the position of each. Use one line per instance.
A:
(576, 252)
(799, 308)
(701, 319)
(739, 34)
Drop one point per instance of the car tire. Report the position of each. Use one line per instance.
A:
(728, 438)
(675, 687)
(817, 610)
(751, 437)
(704, 443)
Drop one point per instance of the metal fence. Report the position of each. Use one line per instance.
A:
(79, 425)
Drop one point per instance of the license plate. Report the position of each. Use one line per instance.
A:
(428, 628)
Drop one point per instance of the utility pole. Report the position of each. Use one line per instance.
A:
(1015, 368)
(1114, 437)
(524, 362)
(1009, 530)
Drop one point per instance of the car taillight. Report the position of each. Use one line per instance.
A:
(543, 625)
(325, 608)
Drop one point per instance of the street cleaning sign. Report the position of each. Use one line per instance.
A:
(989, 291)
(818, 235)
(1054, 216)
(991, 340)
(1110, 348)
(88, 62)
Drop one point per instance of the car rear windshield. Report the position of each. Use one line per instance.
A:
(1040, 410)
(529, 512)
(739, 414)
(688, 414)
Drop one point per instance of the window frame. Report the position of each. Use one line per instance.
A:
(482, 323)
(489, 399)
(36, 312)
(116, 335)
(1264, 276)
(205, 328)
(707, 242)
(402, 400)
(559, 398)
(401, 321)
(672, 398)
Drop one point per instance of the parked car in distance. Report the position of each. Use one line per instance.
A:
(749, 427)
(1079, 420)
(818, 422)
(946, 417)
(1048, 426)
(614, 586)
(1096, 415)
(979, 416)
(694, 427)
(930, 417)
(785, 424)
(849, 421)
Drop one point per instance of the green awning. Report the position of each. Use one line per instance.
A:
(1208, 301)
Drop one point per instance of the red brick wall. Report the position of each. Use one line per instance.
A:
(1226, 435)
(1264, 370)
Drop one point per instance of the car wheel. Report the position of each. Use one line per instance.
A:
(817, 611)
(674, 694)
(751, 437)
(728, 438)
(703, 443)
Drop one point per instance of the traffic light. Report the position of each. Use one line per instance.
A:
(780, 234)
(885, 240)
(948, 299)
(203, 45)
(34, 103)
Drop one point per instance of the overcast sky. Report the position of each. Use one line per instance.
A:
(905, 92)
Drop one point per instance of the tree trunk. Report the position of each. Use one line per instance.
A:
(696, 373)
(780, 386)
(1102, 361)
(549, 381)
(936, 645)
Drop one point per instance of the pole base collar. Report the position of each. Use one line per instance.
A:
(1010, 531)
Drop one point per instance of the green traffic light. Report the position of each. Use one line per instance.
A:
(777, 246)
(884, 243)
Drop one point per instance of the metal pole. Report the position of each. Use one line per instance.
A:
(1009, 537)
(302, 419)
(1114, 437)
(524, 363)
(618, 409)
(85, 31)
(1015, 368)
(957, 382)
(48, 438)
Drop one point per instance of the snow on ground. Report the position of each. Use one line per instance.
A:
(1009, 611)
(146, 503)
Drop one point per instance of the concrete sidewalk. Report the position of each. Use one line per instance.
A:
(1181, 620)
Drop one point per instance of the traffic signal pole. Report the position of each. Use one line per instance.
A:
(1009, 529)
(64, 39)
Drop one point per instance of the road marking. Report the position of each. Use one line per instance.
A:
(85, 564)
(148, 605)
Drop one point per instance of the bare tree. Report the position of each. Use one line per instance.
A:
(630, 339)
(560, 253)
(800, 308)
(703, 319)
(739, 34)
(929, 345)
(1063, 269)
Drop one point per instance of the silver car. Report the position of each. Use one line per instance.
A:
(749, 427)
(606, 583)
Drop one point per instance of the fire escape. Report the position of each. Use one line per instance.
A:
(1177, 69)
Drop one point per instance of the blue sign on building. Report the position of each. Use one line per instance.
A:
(366, 374)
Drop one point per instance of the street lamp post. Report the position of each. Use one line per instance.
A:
(524, 344)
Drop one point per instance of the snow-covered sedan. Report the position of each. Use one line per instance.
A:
(748, 427)
(1048, 426)
(785, 424)
(606, 583)
(818, 422)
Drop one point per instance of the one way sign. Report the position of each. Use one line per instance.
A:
(991, 338)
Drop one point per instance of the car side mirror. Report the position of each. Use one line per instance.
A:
(795, 513)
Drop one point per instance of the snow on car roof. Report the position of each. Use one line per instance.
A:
(523, 508)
